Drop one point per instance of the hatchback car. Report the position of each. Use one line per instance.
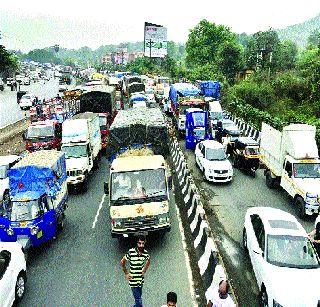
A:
(27, 101)
(213, 162)
(13, 275)
(284, 261)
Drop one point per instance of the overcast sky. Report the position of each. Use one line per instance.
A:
(29, 24)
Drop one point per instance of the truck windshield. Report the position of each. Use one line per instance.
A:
(76, 151)
(306, 170)
(24, 210)
(138, 185)
(215, 154)
(40, 131)
(292, 252)
(198, 119)
(3, 171)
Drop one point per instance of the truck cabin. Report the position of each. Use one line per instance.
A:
(47, 133)
(137, 179)
(28, 206)
(189, 102)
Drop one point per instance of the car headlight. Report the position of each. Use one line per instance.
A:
(116, 223)
(311, 198)
(10, 232)
(79, 172)
(163, 219)
(276, 304)
(34, 230)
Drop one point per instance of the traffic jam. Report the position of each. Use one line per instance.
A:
(129, 119)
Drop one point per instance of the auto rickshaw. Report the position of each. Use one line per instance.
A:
(246, 155)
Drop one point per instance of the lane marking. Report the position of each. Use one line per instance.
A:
(186, 256)
(98, 212)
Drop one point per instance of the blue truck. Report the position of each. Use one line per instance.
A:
(197, 127)
(38, 199)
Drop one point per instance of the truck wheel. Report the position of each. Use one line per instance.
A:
(85, 185)
(300, 205)
(269, 180)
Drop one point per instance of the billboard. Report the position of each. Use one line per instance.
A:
(155, 40)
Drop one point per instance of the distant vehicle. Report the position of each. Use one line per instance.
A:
(212, 160)
(62, 87)
(27, 101)
(13, 273)
(231, 129)
(284, 260)
(9, 81)
(1, 85)
(6, 162)
(150, 94)
(26, 81)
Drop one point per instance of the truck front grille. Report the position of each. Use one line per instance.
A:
(71, 173)
(141, 222)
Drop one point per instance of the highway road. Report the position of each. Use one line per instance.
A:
(82, 266)
(9, 109)
(226, 205)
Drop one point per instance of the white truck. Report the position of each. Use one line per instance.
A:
(81, 142)
(6, 162)
(291, 160)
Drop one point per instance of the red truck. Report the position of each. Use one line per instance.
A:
(43, 135)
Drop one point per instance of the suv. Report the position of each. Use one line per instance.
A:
(1, 85)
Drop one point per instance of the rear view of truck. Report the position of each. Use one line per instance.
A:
(291, 160)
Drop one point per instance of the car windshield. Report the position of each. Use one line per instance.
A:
(215, 154)
(40, 131)
(135, 185)
(306, 170)
(228, 125)
(291, 251)
(252, 151)
(76, 151)
(216, 115)
(3, 171)
(24, 210)
(198, 119)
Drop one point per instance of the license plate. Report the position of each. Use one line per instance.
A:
(39, 234)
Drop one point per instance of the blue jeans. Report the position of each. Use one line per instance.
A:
(137, 293)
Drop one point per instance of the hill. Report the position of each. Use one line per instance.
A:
(299, 33)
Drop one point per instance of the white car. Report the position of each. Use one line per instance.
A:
(284, 261)
(6, 162)
(212, 159)
(12, 273)
(27, 101)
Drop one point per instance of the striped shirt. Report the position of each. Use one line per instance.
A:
(136, 263)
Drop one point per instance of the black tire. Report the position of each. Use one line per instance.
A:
(269, 180)
(61, 223)
(244, 240)
(263, 297)
(85, 185)
(301, 207)
(20, 287)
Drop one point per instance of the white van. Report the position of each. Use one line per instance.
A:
(215, 112)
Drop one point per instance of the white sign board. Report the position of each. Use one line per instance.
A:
(155, 41)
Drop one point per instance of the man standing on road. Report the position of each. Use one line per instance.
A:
(139, 262)
(219, 296)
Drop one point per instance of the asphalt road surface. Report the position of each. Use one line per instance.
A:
(82, 266)
(9, 109)
(227, 205)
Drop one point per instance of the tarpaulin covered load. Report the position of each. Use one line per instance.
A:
(210, 89)
(98, 99)
(139, 126)
(41, 171)
(182, 90)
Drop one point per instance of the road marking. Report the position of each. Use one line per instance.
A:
(98, 212)
(186, 256)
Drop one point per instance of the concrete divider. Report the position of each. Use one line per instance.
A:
(209, 262)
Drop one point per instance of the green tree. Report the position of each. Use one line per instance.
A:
(285, 56)
(314, 39)
(8, 62)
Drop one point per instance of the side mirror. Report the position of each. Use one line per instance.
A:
(106, 188)
(24, 135)
(290, 174)
(228, 155)
(170, 182)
